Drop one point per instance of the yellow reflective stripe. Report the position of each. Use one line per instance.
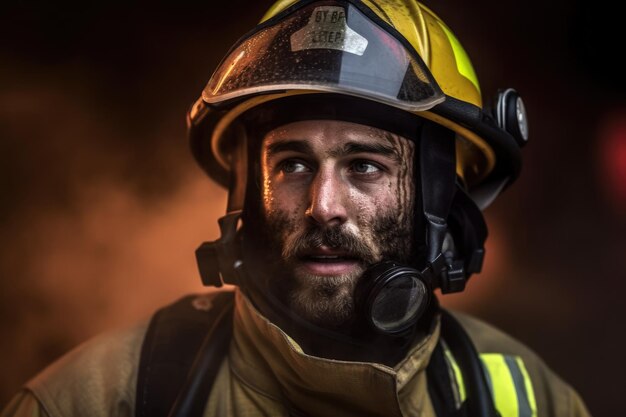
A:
(528, 384)
(510, 385)
(508, 380)
(460, 384)
(520, 387)
(463, 63)
(502, 385)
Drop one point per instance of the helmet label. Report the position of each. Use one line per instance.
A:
(327, 29)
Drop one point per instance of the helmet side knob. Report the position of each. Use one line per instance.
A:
(511, 115)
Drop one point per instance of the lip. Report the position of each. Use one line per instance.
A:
(330, 268)
(325, 261)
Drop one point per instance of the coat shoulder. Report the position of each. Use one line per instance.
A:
(96, 378)
(554, 397)
(99, 377)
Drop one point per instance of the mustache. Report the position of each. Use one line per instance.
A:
(333, 237)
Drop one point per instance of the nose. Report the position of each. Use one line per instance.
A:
(327, 200)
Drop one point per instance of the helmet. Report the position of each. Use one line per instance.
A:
(257, 69)
(393, 54)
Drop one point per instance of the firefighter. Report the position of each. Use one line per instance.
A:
(357, 153)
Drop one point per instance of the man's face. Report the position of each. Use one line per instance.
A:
(337, 197)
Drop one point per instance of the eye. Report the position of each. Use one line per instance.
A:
(365, 167)
(292, 166)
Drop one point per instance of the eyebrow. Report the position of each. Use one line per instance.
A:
(349, 148)
(289, 146)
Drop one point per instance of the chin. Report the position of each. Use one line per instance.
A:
(327, 301)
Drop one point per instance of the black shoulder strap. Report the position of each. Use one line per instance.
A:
(177, 341)
(479, 401)
(440, 386)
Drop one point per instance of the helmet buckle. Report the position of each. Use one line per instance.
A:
(219, 262)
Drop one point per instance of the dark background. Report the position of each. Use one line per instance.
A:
(101, 205)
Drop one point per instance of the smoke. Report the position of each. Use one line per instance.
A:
(110, 262)
(98, 225)
(115, 256)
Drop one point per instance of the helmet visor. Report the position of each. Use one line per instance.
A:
(328, 47)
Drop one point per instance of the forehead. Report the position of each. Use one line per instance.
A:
(328, 134)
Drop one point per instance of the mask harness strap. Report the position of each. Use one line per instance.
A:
(220, 261)
(438, 181)
(438, 174)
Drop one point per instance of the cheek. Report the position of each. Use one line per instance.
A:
(369, 203)
(278, 198)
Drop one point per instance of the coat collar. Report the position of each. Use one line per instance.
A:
(267, 359)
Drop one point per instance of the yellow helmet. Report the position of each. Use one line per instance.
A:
(394, 52)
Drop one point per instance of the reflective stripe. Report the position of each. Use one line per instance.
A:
(520, 387)
(463, 63)
(508, 381)
(502, 386)
(487, 376)
(528, 386)
(510, 385)
(459, 384)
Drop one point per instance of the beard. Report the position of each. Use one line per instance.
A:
(328, 300)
